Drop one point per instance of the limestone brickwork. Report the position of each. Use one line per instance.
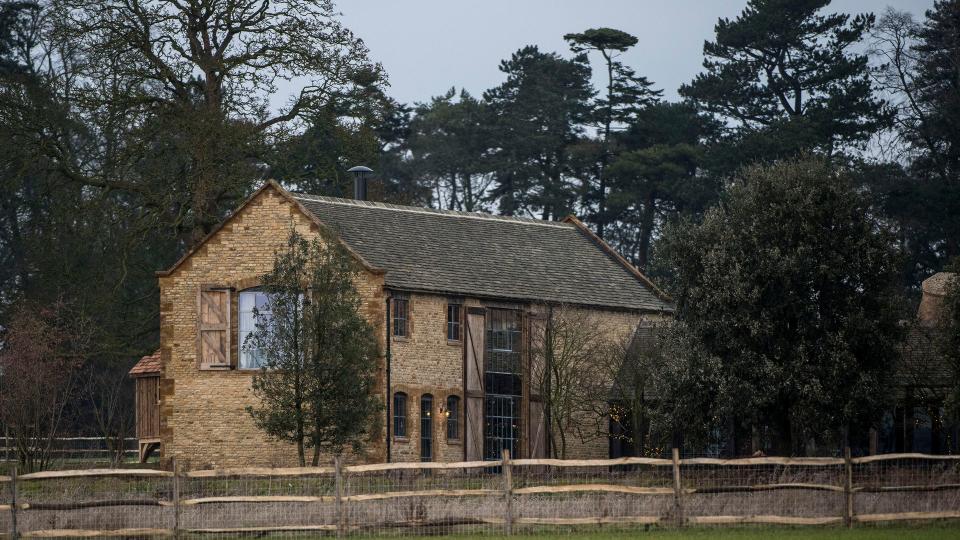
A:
(204, 421)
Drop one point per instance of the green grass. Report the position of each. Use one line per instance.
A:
(929, 531)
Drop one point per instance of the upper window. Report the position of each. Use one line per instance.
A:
(453, 417)
(399, 414)
(401, 315)
(251, 300)
(454, 310)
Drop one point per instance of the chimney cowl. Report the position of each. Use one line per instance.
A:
(360, 175)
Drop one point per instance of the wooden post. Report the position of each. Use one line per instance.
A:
(848, 488)
(176, 498)
(677, 489)
(338, 494)
(13, 502)
(507, 492)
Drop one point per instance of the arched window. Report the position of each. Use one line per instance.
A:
(399, 414)
(453, 417)
(426, 427)
(254, 307)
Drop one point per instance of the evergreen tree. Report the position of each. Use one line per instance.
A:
(626, 95)
(658, 175)
(537, 113)
(449, 141)
(316, 387)
(787, 290)
(786, 80)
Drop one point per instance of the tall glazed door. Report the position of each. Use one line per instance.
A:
(473, 378)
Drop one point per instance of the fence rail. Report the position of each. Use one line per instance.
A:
(490, 495)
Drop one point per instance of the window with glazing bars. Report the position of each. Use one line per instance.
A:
(454, 311)
(453, 417)
(401, 315)
(502, 383)
(399, 414)
(426, 427)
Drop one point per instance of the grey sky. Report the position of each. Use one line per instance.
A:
(427, 46)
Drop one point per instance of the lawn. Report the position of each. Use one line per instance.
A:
(930, 531)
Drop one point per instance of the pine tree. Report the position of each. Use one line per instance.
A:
(786, 80)
(316, 387)
(538, 113)
(627, 94)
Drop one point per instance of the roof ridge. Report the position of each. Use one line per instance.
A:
(431, 211)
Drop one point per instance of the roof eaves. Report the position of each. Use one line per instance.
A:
(526, 299)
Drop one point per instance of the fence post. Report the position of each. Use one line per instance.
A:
(338, 494)
(677, 489)
(13, 502)
(507, 492)
(176, 498)
(848, 488)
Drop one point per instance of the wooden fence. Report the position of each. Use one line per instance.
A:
(675, 482)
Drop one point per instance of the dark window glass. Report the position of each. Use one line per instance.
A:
(401, 315)
(399, 414)
(426, 427)
(453, 321)
(502, 383)
(453, 417)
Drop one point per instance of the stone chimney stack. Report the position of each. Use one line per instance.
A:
(931, 303)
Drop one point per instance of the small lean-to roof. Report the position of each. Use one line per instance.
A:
(148, 366)
(482, 255)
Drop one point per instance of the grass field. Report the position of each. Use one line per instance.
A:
(930, 531)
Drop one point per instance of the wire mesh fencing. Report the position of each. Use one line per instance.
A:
(74, 452)
(522, 496)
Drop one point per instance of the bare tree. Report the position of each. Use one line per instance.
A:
(109, 396)
(631, 370)
(179, 97)
(43, 348)
(566, 349)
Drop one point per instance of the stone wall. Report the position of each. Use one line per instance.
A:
(204, 422)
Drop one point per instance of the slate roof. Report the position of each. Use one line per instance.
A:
(148, 365)
(483, 255)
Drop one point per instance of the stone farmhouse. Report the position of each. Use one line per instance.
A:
(451, 295)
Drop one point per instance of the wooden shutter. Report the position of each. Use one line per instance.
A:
(475, 333)
(536, 425)
(213, 318)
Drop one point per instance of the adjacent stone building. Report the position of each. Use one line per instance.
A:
(919, 421)
(463, 292)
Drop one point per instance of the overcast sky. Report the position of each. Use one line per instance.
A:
(427, 46)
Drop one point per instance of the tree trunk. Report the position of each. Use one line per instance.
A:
(646, 229)
(784, 431)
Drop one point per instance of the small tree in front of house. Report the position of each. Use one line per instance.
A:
(565, 349)
(319, 354)
(42, 349)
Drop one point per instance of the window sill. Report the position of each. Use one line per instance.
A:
(401, 339)
(403, 440)
(454, 343)
(216, 368)
(454, 442)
